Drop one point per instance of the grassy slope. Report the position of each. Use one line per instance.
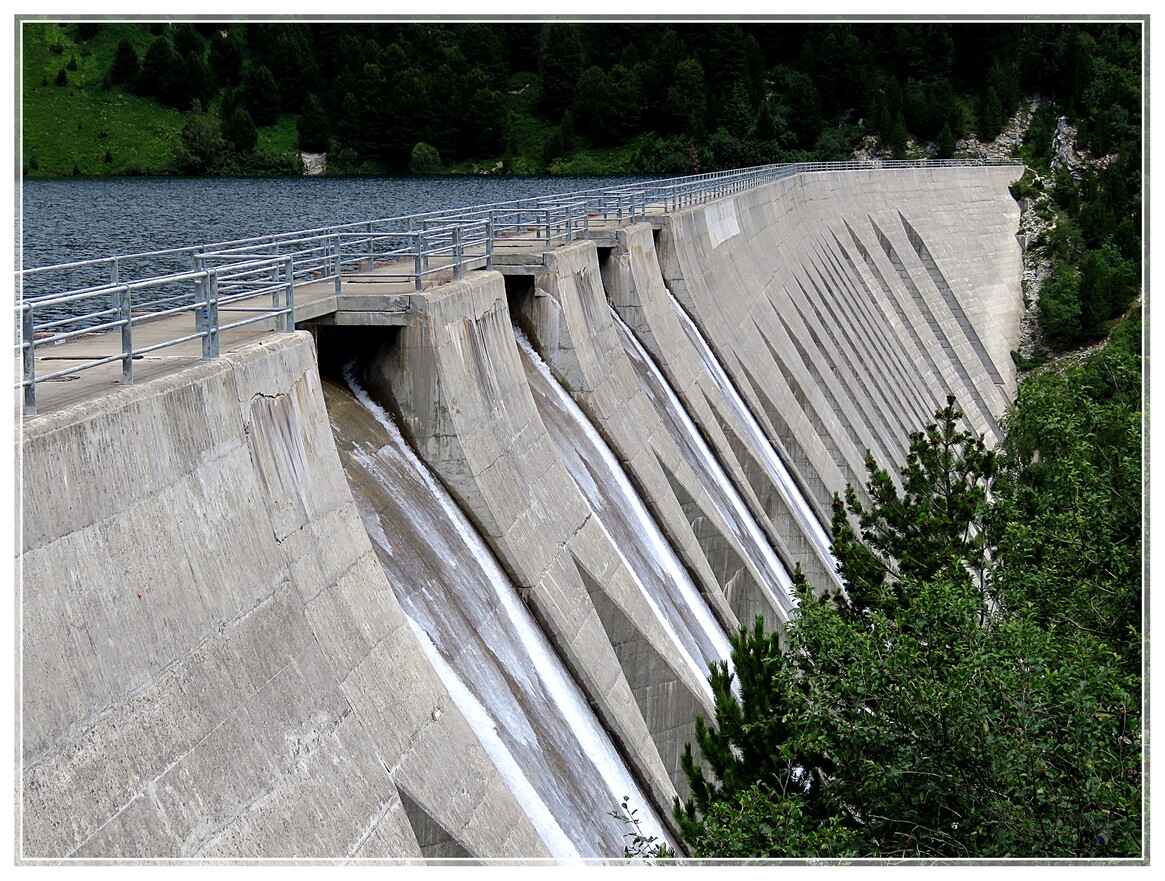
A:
(73, 127)
(76, 125)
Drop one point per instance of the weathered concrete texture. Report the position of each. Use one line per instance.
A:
(636, 288)
(456, 379)
(845, 306)
(213, 662)
(570, 324)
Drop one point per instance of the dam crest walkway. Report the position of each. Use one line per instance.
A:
(91, 326)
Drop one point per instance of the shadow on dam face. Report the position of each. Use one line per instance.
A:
(303, 627)
(336, 346)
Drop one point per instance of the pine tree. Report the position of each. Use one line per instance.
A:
(125, 63)
(914, 717)
(161, 74)
(312, 127)
(259, 93)
(240, 132)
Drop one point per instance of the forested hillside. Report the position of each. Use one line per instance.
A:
(126, 98)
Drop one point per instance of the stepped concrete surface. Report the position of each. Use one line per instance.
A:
(572, 327)
(845, 305)
(638, 293)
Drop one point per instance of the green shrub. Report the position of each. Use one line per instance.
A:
(424, 159)
(1060, 307)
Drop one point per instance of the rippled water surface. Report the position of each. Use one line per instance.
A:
(66, 220)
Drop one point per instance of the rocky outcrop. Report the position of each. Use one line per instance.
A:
(314, 164)
(1064, 149)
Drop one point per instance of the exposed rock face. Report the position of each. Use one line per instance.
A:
(1064, 149)
(314, 164)
(1005, 146)
(1008, 142)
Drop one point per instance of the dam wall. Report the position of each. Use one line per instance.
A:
(457, 382)
(460, 602)
(213, 662)
(845, 305)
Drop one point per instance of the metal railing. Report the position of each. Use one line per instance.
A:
(101, 296)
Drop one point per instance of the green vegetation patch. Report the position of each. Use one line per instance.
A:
(82, 127)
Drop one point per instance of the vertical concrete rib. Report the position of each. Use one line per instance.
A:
(940, 282)
(808, 463)
(803, 394)
(852, 372)
(856, 319)
(904, 349)
(917, 319)
(941, 326)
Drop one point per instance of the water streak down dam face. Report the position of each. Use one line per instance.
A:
(462, 608)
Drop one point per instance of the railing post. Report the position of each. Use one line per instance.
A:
(457, 251)
(125, 314)
(289, 299)
(489, 242)
(202, 315)
(418, 244)
(27, 338)
(547, 212)
(336, 255)
(212, 332)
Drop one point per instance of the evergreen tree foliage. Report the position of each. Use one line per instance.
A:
(560, 64)
(991, 116)
(780, 91)
(125, 64)
(197, 81)
(239, 131)
(201, 147)
(161, 74)
(946, 142)
(312, 126)
(226, 58)
(961, 698)
(188, 41)
(804, 107)
(1068, 522)
(1060, 307)
(259, 93)
(424, 160)
(685, 106)
(899, 137)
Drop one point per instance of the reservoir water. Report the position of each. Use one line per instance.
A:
(60, 221)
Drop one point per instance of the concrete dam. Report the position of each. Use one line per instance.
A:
(450, 589)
